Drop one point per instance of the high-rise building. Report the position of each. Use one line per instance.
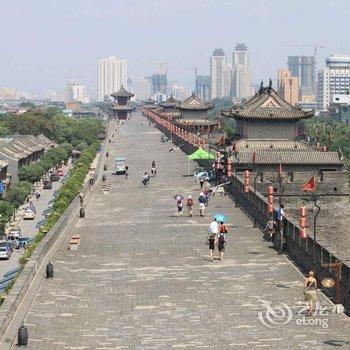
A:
(217, 73)
(75, 92)
(304, 68)
(178, 91)
(112, 74)
(288, 86)
(202, 87)
(144, 88)
(159, 83)
(241, 85)
(333, 80)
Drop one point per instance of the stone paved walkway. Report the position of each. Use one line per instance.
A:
(141, 278)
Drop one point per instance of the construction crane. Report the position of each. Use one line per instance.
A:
(315, 46)
(163, 67)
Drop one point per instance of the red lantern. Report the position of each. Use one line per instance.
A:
(246, 181)
(228, 167)
(302, 221)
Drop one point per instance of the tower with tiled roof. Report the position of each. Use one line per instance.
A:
(268, 116)
(122, 105)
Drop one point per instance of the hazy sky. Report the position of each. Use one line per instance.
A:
(45, 42)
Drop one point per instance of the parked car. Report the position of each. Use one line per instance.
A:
(15, 232)
(60, 172)
(29, 215)
(32, 208)
(4, 252)
(47, 184)
(54, 177)
(9, 244)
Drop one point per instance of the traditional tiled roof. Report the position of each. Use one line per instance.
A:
(123, 108)
(194, 103)
(122, 93)
(150, 101)
(196, 121)
(289, 157)
(267, 104)
(171, 102)
(273, 144)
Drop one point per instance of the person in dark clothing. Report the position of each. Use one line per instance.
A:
(212, 240)
(221, 244)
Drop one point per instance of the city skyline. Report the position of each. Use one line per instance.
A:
(70, 47)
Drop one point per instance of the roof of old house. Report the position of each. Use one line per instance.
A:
(171, 102)
(267, 104)
(190, 122)
(289, 157)
(123, 108)
(271, 144)
(150, 101)
(194, 103)
(122, 93)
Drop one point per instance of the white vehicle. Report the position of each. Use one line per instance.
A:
(14, 232)
(29, 215)
(120, 164)
(4, 253)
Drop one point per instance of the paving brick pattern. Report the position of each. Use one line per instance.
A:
(141, 278)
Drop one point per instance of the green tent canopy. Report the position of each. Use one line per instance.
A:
(201, 154)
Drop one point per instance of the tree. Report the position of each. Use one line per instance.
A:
(29, 123)
(31, 173)
(17, 194)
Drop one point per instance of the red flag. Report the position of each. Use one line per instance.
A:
(310, 185)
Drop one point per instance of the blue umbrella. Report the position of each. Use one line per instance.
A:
(220, 217)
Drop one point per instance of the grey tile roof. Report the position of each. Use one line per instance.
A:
(289, 157)
(123, 108)
(272, 144)
(170, 102)
(194, 103)
(122, 93)
(267, 104)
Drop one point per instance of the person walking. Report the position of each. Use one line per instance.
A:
(212, 240)
(153, 168)
(179, 206)
(190, 206)
(270, 230)
(310, 286)
(222, 227)
(126, 171)
(81, 198)
(213, 228)
(91, 181)
(202, 201)
(221, 244)
(201, 182)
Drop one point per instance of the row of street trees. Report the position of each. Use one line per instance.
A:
(68, 132)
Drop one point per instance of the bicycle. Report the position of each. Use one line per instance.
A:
(144, 184)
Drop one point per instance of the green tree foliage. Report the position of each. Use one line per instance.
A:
(72, 186)
(17, 193)
(27, 105)
(331, 133)
(32, 122)
(34, 172)
(52, 123)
